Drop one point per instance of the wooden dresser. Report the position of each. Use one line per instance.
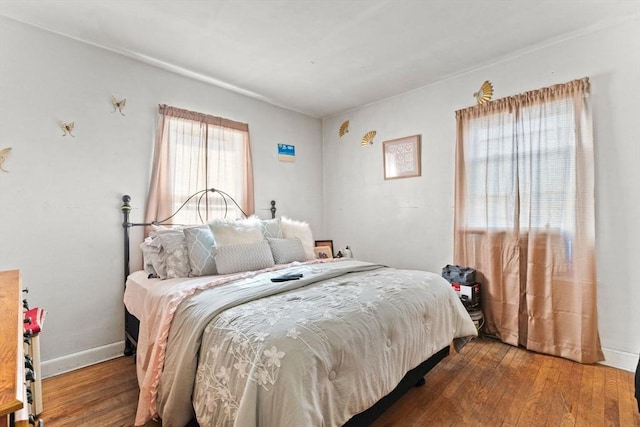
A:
(20, 384)
(13, 393)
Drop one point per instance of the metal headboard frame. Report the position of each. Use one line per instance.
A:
(131, 323)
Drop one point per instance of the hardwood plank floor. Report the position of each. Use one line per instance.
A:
(489, 384)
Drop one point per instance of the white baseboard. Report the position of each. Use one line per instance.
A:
(71, 362)
(620, 359)
(50, 368)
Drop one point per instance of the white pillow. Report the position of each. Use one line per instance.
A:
(243, 257)
(292, 229)
(236, 232)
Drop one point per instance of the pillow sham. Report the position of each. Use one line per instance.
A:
(285, 251)
(272, 228)
(174, 261)
(236, 232)
(200, 251)
(165, 253)
(292, 229)
(150, 256)
(156, 229)
(243, 257)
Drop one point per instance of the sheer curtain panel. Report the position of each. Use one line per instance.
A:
(195, 151)
(524, 218)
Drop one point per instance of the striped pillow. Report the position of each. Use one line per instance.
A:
(285, 251)
(243, 257)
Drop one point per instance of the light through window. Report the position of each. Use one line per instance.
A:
(521, 172)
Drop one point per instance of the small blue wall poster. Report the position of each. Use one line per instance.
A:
(286, 152)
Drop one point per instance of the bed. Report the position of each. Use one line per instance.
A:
(336, 344)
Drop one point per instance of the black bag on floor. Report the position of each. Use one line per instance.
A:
(459, 274)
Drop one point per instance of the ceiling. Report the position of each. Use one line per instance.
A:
(320, 57)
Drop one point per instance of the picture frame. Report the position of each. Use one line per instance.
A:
(325, 243)
(402, 157)
(323, 252)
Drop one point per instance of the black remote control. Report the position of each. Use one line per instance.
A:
(287, 277)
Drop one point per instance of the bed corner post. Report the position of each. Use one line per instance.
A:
(126, 208)
(273, 209)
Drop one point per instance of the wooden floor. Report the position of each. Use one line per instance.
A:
(489, 384)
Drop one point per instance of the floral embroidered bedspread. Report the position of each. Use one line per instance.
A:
(308, 352)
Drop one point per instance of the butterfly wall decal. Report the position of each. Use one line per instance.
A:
(67, 128)
(118, 104)
(4, 153)
(344, 128)
(485, 92)
(367, 139)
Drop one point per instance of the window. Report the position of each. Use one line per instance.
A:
(195, 152)
(205, 156)
(525, 218)
(520, 169)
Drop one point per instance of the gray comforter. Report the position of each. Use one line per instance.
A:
(310, 352)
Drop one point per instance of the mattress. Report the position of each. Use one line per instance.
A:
(137, 287)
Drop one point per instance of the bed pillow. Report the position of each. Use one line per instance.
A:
(200, 251)
(285, 251)
(272, 228)
(150, 256)
(292, 229)
(174, 261)
(243, 257)
(152, 250)
(157, 229)
(236, 232)
(269, 227)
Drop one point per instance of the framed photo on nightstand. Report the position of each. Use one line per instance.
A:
(323, 252)
(328, 243)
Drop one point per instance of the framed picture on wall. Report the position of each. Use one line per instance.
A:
(401, 157)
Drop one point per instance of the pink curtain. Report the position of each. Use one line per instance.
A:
(193, 152)
(524, 218)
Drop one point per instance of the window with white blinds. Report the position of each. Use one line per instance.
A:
(521, 168)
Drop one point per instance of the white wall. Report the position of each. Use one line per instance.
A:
(59, 217)
(409, 222)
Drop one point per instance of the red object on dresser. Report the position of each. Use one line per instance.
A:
(36, 316)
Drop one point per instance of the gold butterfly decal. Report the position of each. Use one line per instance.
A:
(485, 92)
(67, 128)
(344, 128)
(4, 153)
(367, 139)
(118, 104)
